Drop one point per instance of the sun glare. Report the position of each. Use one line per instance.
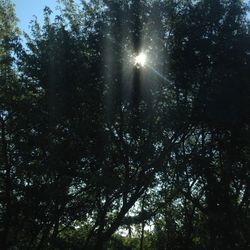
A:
(140, 60)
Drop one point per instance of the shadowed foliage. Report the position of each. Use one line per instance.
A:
(99, 152)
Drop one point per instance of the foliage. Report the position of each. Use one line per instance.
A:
(93, 146)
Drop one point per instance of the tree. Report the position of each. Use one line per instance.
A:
(209, 58)
(92, 143)
(9, 91)
(103, 146)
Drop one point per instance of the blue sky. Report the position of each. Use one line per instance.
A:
(26, 9)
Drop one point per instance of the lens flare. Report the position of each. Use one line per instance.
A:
(140, 60)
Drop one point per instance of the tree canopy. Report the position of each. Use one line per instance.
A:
(99, 152)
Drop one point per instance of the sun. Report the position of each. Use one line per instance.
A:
(140, 60)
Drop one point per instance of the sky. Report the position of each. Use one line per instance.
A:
(26, 9)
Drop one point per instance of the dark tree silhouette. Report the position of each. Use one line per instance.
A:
(92, 143)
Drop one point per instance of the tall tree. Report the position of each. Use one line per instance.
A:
(210, 54)
(8, 91)
(92, 141)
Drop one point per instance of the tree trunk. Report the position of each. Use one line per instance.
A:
(142, 225)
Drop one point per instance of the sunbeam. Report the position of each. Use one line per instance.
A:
(140, 60)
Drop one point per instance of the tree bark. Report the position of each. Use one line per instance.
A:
(142, 225)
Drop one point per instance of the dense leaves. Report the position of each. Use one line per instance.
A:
(100, 153)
